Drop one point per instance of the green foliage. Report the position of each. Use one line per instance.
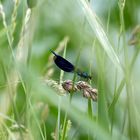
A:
(97, 37)
(31, 3)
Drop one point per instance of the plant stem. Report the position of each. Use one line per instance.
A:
(59, 104)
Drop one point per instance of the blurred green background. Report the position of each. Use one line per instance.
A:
(26, 63)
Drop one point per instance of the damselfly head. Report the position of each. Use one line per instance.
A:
(84, 75)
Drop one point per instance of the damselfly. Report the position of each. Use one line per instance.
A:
(66, 66)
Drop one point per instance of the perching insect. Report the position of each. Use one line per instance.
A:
(66, 66)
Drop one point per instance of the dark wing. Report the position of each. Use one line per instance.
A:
(63, 64)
